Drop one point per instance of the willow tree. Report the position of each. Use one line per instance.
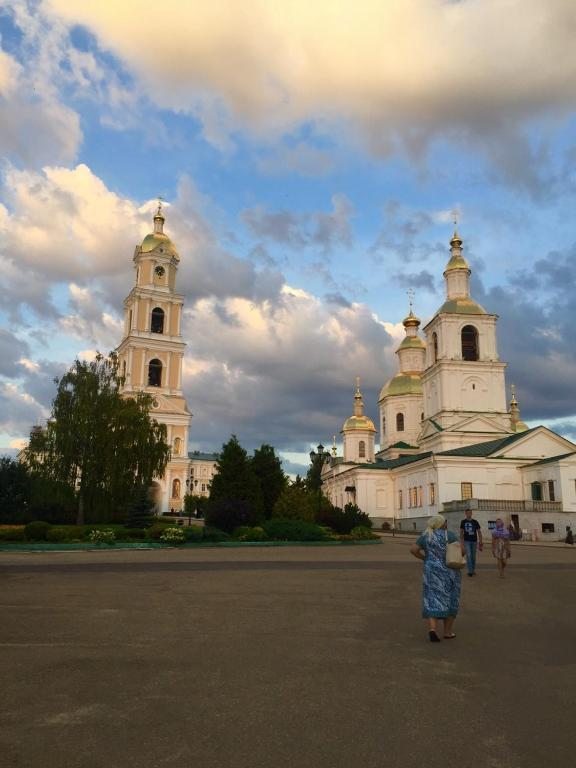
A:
(96, 442)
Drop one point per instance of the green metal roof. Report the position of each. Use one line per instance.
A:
(553, 458)
(203, 456)
(461, 306)
(485, 449)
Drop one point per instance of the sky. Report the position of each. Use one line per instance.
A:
(312, 158)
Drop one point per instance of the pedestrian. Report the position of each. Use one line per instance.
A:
(501, 545)
(440, 584)
(569, 536)
(470, 538)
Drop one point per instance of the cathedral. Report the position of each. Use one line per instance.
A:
(448, 437)
(150, 357)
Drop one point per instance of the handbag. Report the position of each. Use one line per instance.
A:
(454, 556)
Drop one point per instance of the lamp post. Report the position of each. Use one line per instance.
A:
(318, 458)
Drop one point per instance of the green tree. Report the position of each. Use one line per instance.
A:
(296, 502)
(15, 490)
(140, 509)
(97, 442)
(268, 469)
(235, 480)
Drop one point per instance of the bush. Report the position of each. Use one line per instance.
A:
(362, 532)
(193, 533)
(229, 514)
(245, 533)
(131, 533)
(173, 536)
(293, 530)
(103, 536)
(343, 521)
(12, 534)
(214, 535)
(62, 533)
(296, 503)
(37, 530)
(156, 530)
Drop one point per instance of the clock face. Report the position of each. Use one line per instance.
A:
(159, 271)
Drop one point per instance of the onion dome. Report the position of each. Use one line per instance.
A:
(158, 240)
(457, 260)
(402, 384)
(358, 420)
(462, 305)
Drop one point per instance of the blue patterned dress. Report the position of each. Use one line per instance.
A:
(440, 585)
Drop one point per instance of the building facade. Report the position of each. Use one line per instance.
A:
(448, 438)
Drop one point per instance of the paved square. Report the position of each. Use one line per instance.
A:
(308, 657)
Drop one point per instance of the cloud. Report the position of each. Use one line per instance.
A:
(12, 350)
(300, 158)
(397, 74)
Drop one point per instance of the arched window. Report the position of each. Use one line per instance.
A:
(400, 422)
(155, 373)
(124, 369)
(469, 343)
(383, 425)
(421, 417)
(177, 446)
(157, 320)
(176, 489)
(362, 449)
(435, 346)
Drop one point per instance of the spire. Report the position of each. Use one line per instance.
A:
(159, 219)
(514, 409)
(358, 400)
(334, 449)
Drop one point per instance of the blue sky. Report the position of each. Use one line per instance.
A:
(311, 158)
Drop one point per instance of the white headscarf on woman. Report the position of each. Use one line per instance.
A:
(435, 522)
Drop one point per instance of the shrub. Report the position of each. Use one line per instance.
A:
(12, 534)
(245, 533)
(214, 535)
(193, 533)
(62, 533)
(131, 533)
(37, 530)
(343, 521)
(156, 530)
(229, 514)
(362, 532)
(293, 530)
(103, 536)
(173, 536)
(296, 503)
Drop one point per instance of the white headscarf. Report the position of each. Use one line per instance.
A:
(435, 522)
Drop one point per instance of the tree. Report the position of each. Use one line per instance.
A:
(268, 469)
(15, 487)
(97, 442)
(235, 481)
(140, 509)
(296, 503)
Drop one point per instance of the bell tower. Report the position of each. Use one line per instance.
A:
(151, 352)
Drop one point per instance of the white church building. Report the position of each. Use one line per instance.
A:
(448, 437)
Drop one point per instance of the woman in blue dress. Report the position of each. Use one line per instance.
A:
(441, 585)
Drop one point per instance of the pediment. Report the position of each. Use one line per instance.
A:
(429, 429)
(538, 443)
(163, 404)
(483, 424)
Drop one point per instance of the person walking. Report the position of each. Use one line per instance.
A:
(501, 545)
(440, 584)
(471, 539)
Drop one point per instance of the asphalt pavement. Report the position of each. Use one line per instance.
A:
(274, 657)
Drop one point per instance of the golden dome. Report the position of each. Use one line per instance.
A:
(161, 241)
(412, 342)
(359, 422)
(521, 426)
(462, 306)
(402, 384)
(411, 321)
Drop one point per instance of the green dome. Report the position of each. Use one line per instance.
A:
(359, 422)
(412, 342)
(462, 306)
(402, 384)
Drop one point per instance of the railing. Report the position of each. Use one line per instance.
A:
(502, 505)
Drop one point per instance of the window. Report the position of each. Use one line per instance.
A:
(362, 449)
(177, 446)
(176, 489)
(420, 497)
(399, 499)
(536, 491)
(469, 343)
(155, 373)
(547, 527)
(400, 422)
(432, 494)
(435, 346)
(124, 369)
(465, 491)
(551, 492)
(421, 417)
(157, 320)
(203, 487)
(384, 428)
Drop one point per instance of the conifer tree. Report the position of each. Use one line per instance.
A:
(234, 485)
(140, 509)
(268, 469)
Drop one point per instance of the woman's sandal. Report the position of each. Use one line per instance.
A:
(450, 637)
(433, 637)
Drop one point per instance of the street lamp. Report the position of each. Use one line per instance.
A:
(318, 458)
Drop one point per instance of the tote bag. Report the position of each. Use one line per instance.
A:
(454, 557)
